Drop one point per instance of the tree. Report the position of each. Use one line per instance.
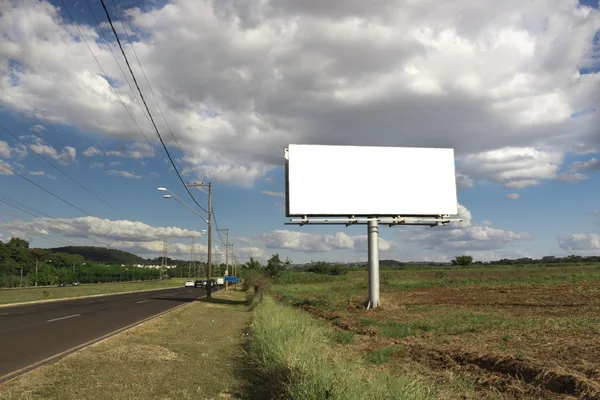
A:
(462, 260)
(274, 266)
(252, 264)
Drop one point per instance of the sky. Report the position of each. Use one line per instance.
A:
(513, 88)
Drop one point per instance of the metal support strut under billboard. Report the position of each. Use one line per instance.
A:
(373, 239)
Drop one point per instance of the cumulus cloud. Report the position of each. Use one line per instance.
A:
(124, 174)
(42, 173)
(513, 196)
(4, 149)
(464, 237)
(135, 150)
(276, 194)
(592, 164)
(121, 230)
(38, 128)
(240, 81)
(97, 165)
(5, 168)
(571, 177)
(580, 242)
(463, 181)
(515, 168)
(91, 151)
(314, 243)
(66, 156)
(114, 163)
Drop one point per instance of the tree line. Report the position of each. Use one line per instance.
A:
(24, 266)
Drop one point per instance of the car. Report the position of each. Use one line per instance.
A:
(61, 284)
(189, 284)
(198, 284)
(75, 283)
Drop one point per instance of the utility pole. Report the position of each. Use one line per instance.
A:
(36, 271)
(209, 221)
(226, 230)
(21, 285)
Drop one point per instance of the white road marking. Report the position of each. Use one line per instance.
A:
(142, 301)
(4, 313)
(93, 301)
(68, 316)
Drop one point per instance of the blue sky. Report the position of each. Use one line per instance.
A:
(516, 132)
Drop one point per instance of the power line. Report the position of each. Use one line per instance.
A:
(146, 105)
(9, 168)
(64, 173)
(111, 85)
(150, 87)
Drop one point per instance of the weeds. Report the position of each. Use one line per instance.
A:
(289, 351)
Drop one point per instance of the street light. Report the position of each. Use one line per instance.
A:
(207, 220)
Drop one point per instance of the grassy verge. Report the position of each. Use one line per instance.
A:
(293, 356)
(49, 293)
(190, 353)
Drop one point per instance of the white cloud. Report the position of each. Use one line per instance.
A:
(579, 242)
(42, 173)
(596, 213)
(38, 128)
(240, 81)
(5, 168)
(571, 177)
(463, 237)
(121, 230)
(134, 150)
(154, 175)
(592, 164)
(463, 181)
(4, 149)
(276, 194)
(66, 156)
(314, 243)
(91, 151)
(515, 168)
(513, 196)
(97, 165)
(115, 163)
(124, 174)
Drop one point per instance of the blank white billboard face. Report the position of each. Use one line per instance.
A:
(370, 181)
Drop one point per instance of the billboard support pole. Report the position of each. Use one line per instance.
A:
(373, 244)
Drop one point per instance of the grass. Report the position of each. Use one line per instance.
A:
(437, 323)
(292, 356)
(11, 296)
(190, 353)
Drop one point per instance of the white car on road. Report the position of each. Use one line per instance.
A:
(189, 284)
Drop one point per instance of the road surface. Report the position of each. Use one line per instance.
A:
(32, 333)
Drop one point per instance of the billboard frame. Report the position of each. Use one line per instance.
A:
(372, 221)
(352, 215)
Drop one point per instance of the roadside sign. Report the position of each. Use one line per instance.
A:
(232, 279)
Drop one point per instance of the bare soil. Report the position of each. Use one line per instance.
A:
(510, 342)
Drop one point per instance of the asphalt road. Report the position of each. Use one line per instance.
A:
(32, 333)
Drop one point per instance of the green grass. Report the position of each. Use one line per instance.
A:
(10, 296)
(190, 353)
(381, 356)
(291, 355)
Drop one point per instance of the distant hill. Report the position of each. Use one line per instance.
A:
(101, 254)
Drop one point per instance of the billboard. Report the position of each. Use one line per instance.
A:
(326, 180)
